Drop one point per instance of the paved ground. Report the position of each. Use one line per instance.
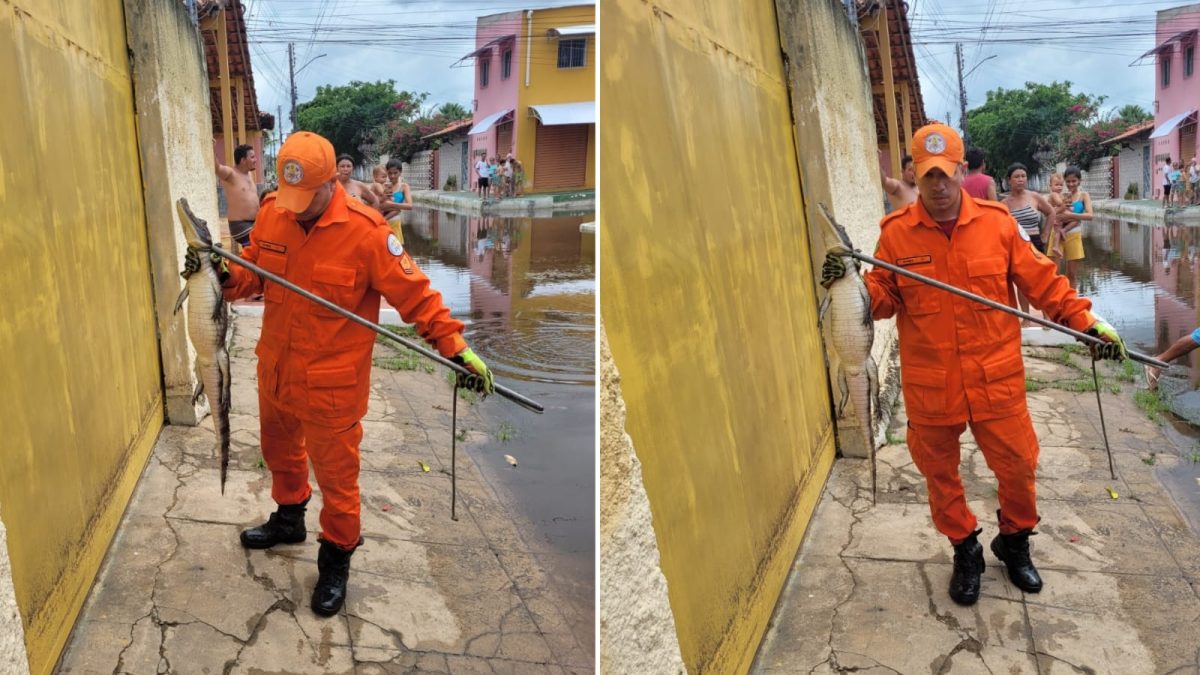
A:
(1122, 576)
(178, 594)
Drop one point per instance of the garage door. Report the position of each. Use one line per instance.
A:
(560, 159)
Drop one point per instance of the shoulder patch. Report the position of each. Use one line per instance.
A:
(1021, 231)
(394, 245)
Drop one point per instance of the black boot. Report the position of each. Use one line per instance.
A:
(1013, 551)
(333, 564)
(968, 568)
(285, 526)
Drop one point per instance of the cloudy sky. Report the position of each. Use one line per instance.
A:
(413, 42)
(1089, 43)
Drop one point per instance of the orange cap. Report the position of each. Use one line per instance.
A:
(936, 145)
(305, 163)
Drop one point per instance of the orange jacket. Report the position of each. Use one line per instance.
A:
(960, 359)
(313, 361)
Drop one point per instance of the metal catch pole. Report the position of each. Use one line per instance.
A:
(519, 399)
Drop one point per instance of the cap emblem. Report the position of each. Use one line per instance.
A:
(935, 144)
(294, 173)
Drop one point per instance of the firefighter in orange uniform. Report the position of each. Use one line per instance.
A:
(960, 361)
(314, 366)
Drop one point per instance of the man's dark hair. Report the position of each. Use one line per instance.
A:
(974, 158)
(1016, 166)
(1073, 171)
(239, 153)
(395, 163)
(346, 157)
(905, 161)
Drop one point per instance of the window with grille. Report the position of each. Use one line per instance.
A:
(505, 64)
(483, 72)
(571, 53)
(1165, 67)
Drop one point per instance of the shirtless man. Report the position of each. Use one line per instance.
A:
(241, 193)
(902, 192)
(360, 191)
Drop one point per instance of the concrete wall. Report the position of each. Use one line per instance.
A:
(709, 305)
(174, 140)
(1130, 171)
(450, 163)
(1097, 178)
(419, 172)
(550, 84)
(637, 631)
(839, 162)
(12, 629)
(79, 364)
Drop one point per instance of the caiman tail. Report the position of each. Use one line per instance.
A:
(850, 333)
(208, 325)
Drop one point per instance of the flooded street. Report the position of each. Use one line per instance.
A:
(526, 287)
(1143, 278)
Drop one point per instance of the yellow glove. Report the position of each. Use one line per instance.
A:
(1115, 349)
(481, 381)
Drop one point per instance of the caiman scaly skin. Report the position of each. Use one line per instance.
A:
(208, 326)
(846, 312)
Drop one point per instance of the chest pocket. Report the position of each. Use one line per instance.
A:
(919, 297)
(988, 277)
(276, 263)
(336, 284)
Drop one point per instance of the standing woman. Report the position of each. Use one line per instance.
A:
(1079, 209)
(399, 201)
(1024, 206)
(359, 190)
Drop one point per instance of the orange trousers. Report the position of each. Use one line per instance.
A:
(288, 443)
(1010, 447)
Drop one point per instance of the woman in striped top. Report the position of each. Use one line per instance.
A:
(1025, 206)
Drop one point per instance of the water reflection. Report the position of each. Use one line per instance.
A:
(1142, 277)
(527, 285)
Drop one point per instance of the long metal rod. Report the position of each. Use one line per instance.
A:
(1103, 430)
(1082, 337)
(454, 452)
(507, 393)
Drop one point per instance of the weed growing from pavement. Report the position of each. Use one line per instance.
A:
(1128, 372)
(402, 331)
(1149, 461)
(1194, 457)
(1077, 385)
(506, 432)
(1151, 404)
(404, 359)
(465, 394)
(893, 439)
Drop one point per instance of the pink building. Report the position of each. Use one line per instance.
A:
(1176, 84)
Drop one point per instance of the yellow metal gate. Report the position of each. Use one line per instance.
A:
(79, 365)
(709, 303)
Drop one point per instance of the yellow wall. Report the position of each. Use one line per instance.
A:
(709, 302)
(550, 84)
(78, 358)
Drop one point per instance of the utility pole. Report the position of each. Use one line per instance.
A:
(962, 95)
(292, 77)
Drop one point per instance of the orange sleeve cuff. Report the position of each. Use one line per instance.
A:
(1081, 322)
(451, 345)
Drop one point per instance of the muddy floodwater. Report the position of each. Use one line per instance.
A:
(526, 289)
(1143, 278)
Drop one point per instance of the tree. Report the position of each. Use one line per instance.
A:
(1133, 114)
(406, 137)
(453, 111)
(348, 115)
(1014, 125)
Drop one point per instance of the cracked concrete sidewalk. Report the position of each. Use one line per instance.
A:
(178, 594)
(1122, 577)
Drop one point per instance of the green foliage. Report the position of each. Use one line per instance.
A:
(1150, 460)
(349, 115)
(1133, 114)
(404, 359)
(1151, 404)
(1013, 124)
(405, 137)
(402, 331)
(506, 432)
